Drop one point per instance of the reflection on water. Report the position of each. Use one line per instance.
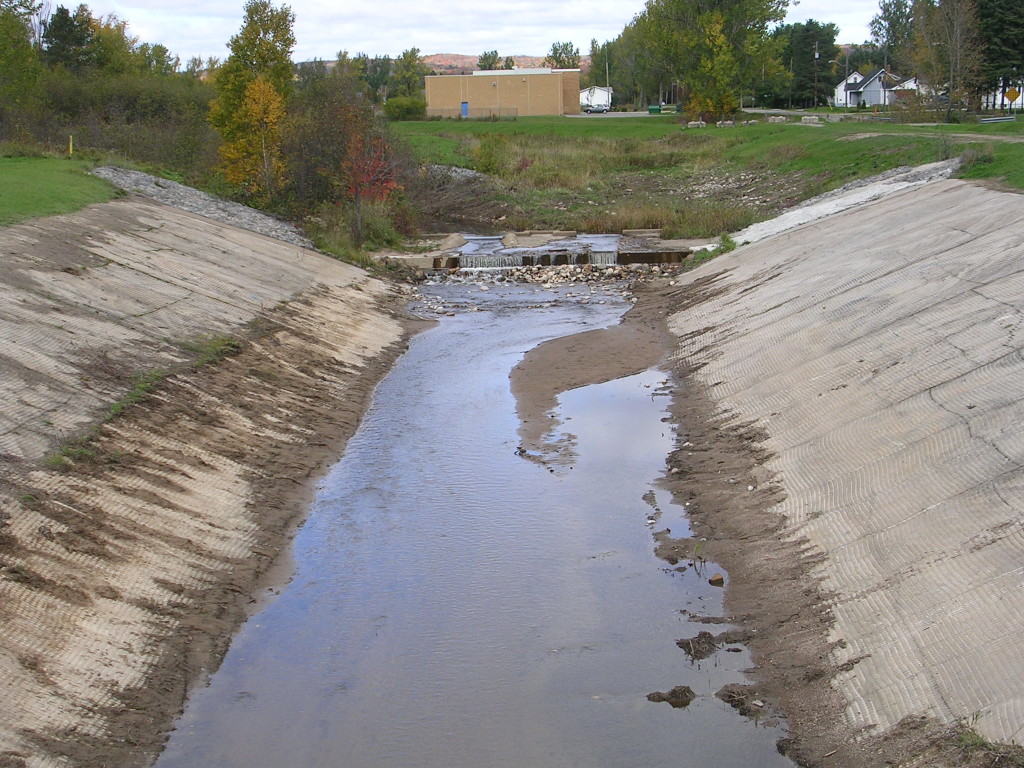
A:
(458, 606)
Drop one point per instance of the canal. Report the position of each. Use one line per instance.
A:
(456, 605)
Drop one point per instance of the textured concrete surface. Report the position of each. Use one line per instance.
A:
(881, 351)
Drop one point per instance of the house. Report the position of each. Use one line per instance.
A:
(841, 97)
(872, 91)
(504, 93)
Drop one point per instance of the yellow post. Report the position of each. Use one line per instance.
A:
(71, 146)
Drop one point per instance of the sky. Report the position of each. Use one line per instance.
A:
(388, 27)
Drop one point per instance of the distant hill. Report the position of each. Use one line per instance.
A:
(457, 63)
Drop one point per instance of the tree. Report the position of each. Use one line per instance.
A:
(488, 60)
(407, 74)
(714, 90)
(112, 48)
(807, 49)
(675, 32)
(563, 56)
(19, 65)
(261, 49)
(260, 63)
(67, 38)
(378, 74)
(947, 49)
(253, 159)
(892, 30)
(1001, 28)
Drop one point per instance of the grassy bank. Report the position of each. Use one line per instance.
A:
(31, 187)
(603, 174)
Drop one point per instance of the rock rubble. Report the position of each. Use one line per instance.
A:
(192, 200)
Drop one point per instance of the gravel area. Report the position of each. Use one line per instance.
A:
(192, 200)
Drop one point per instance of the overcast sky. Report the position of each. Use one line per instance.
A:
(513, 27)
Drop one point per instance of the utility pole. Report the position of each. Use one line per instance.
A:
(816, 55)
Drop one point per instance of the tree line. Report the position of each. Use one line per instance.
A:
(304, 140)
(713, 56)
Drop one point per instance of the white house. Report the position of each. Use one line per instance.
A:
(841, 96)
(874, 90)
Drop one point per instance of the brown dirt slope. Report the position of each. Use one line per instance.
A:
(129, 545)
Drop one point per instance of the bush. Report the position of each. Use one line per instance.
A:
(493, 155)
(405, 108)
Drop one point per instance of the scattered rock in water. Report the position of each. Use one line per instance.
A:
(679, 697)
(745, 700)
(705, 644)
(718, 580)
(699, 647)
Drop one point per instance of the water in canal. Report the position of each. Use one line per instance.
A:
(455, 605)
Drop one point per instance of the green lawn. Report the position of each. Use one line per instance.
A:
(31, 187)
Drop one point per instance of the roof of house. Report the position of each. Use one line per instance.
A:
(878, 73)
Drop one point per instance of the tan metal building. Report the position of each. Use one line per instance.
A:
(504, 93)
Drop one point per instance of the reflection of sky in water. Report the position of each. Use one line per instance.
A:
(457, 606)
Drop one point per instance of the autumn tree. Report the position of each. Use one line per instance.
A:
(260, 53)
(563, 56)
(252, 160)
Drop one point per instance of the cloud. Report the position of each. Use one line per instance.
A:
(515, 27)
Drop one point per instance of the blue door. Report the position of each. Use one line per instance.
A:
(465, 109)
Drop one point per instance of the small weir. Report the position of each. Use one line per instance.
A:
(491, 252)
(456, 605)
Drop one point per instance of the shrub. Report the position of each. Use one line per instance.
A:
(493, 154)
(405, 108)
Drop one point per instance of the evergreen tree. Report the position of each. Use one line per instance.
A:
(1001, 27)
(563, 56)
(67, 38)
(488, 60)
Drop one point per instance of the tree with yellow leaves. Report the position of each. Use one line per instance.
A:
(252, 86)
(253, 159)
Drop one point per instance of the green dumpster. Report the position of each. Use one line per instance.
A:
(654, 109)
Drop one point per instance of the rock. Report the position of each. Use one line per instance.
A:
(718, 580)
(679, 697)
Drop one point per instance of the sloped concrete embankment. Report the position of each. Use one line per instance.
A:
(122, 573)
(880, 351)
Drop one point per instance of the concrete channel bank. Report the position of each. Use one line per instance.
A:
(874, 361)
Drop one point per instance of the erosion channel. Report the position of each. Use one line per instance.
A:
(460, 601)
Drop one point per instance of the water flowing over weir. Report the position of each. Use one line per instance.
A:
(490, 252)
(456, 605)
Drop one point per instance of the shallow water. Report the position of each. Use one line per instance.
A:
(455, 605)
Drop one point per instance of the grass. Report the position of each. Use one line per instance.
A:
(81, 447)
(31, 187)
(644, 172)
(211, 348)
(979, 751)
